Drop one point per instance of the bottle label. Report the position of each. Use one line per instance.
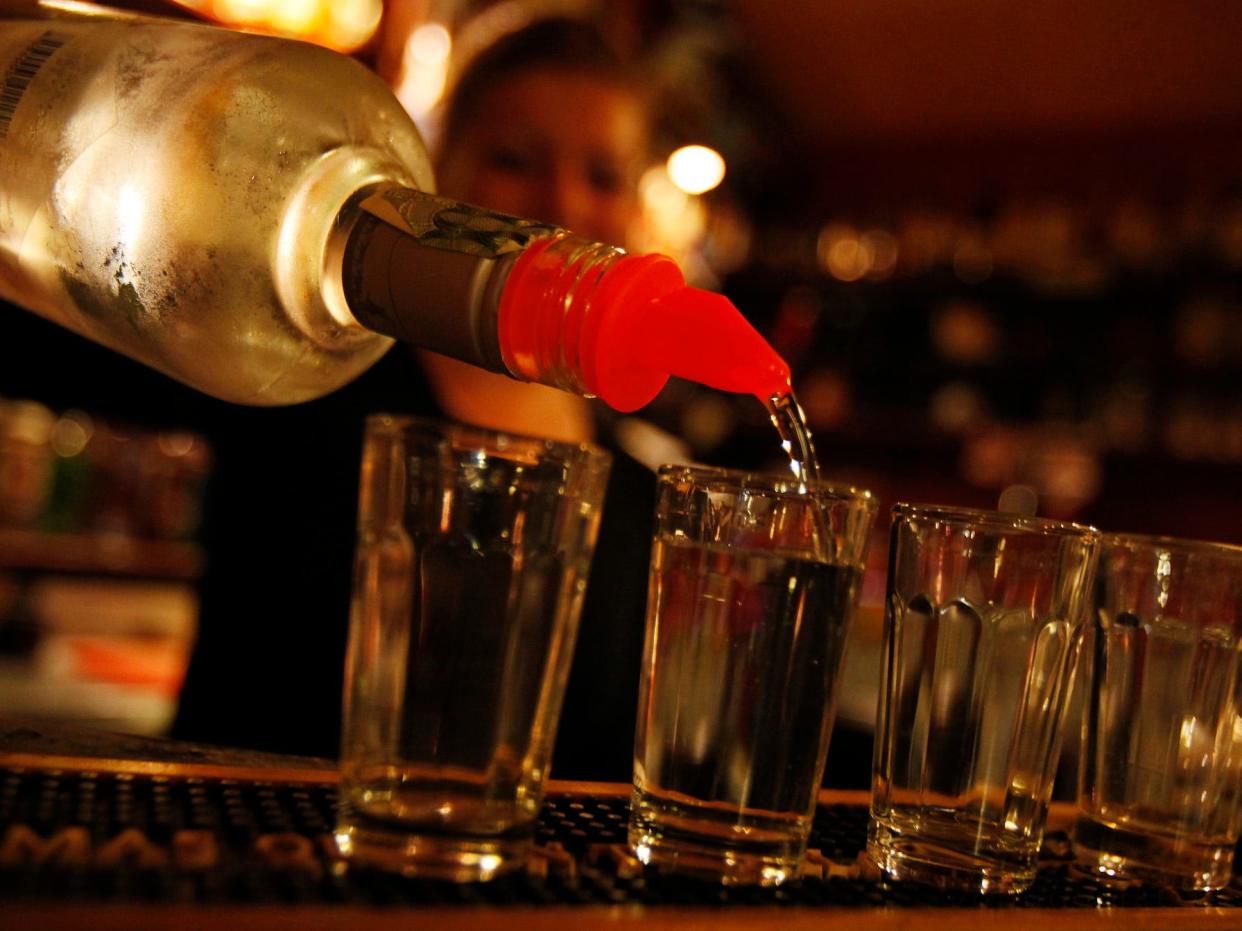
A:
(454, 226)
(22, 71)
(430, 271)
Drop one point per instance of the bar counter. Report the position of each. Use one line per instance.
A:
(115, 832)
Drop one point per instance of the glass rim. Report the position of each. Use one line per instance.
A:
(474, 434)
(996, 520)
(1135, 541)
(768, 482)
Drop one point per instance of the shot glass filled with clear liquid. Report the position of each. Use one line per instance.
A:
(982, 635)
(473, 549)
(753, 583)
(1161, 764)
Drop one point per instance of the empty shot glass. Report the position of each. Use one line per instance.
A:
(982, 633)
(753, 583)
(473, 550)
(1161, 763)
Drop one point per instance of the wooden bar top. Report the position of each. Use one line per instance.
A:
(51, 917)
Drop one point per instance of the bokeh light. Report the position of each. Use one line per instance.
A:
(696, 169)
(344, 25)
(424, 69)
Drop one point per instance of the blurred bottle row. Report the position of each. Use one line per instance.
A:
(70, 473)
(1057, 344)
(1055, 244)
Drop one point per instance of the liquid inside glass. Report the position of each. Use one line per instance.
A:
(468, 581)
(738, 690)
(736, 704)
(1162, 766)
(970, 720)
(463, 735)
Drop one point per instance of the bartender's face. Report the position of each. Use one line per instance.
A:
(556, 145)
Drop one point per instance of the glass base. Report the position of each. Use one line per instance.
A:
(429, 855)
(679, 849)
(906, 858)
(1187, 863)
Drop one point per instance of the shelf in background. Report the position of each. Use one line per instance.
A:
(99, 553)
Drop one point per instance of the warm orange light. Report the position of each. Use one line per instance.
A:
(696, 169)
(424, 69)
(242, 11)
(883, 249)
(673, 221)
(344, 25)
(844, 254)
(298, 17)
(350, 25)
(429, 44)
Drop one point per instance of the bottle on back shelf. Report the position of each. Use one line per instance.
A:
(252, 216)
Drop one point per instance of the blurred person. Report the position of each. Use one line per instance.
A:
(544, 124)
(549, 123)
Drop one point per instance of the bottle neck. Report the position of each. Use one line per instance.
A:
(431, 271)
(532, 301)
(589, 318)
(548, 308)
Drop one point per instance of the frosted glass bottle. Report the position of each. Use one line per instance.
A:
(249, 215)
(170, 191)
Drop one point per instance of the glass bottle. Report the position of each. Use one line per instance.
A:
(250, 216)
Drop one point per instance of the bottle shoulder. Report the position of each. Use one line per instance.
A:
(147, 186)
(144, 76)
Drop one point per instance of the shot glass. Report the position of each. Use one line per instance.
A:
(753, 583)
(982, 634)
(473, 550)
(1161, 762)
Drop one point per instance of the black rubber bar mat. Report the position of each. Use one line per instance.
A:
(105, 837)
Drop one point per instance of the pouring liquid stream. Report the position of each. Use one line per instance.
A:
(730, 356)
(790, 422)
